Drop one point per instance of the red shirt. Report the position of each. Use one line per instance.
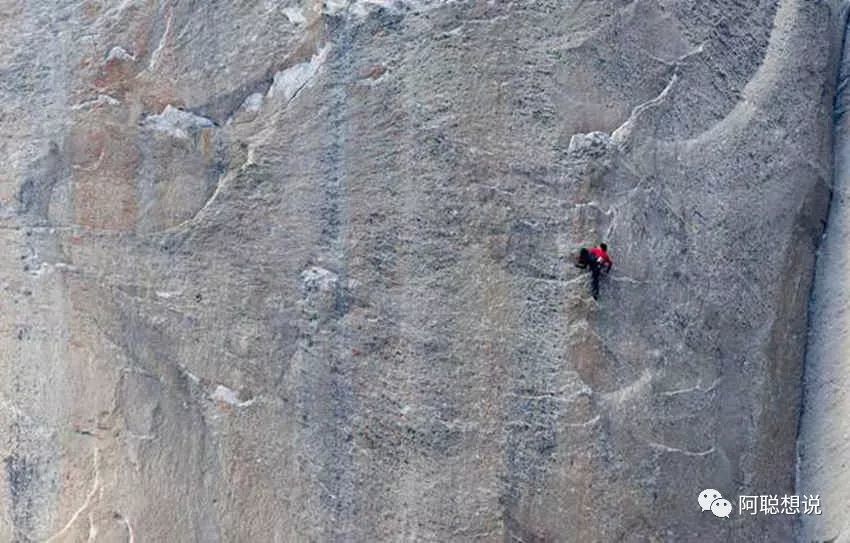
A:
(598, 253)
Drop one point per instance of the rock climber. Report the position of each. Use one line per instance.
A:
(597, 259)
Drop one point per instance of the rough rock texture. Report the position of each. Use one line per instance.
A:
(294, 271)
(824, 439)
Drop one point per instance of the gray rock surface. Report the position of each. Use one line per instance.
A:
(298, 271)
(825, 430)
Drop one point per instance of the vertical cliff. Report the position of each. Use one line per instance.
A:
(297, 271)
(824, 431)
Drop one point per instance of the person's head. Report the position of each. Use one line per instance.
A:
(604, 247)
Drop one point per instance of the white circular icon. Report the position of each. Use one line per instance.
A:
(721, 507)
(706, 497)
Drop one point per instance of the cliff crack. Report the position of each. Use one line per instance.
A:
(623, 133)
(88, 501)
(677, 450)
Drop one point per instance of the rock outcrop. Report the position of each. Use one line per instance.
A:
(299, 270)
(824, 433)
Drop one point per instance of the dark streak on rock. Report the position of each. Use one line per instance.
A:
(36, 191)
(21, 473)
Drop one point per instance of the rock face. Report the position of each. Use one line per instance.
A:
(298, 271)
(825, 430)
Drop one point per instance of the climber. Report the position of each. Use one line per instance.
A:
(596, 259)
(600, 253)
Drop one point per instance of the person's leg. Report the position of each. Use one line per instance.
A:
(595, 270)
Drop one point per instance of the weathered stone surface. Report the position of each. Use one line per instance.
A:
(824, 434)
(297, 271)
